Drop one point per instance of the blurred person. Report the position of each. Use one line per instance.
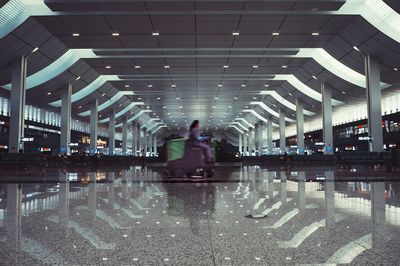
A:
(197, 140)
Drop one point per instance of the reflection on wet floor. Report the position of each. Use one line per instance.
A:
(138, 217)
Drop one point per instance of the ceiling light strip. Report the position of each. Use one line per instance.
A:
(240, 131)
(270, 111)
(284, 102)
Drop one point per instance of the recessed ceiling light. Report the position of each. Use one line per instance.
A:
(220, 85)
(275, 33)
(166, 66)
(178, 98)
(255, 66)
(226, 66)
(173, 85)
(314, 77)
(155, 34)
(115, 34)
(395, 69)
(35, 49)
(78, 78)
(137, 67)
(158, 98)
(235, 33)
(139, 98)
(126, 86)
(80, 106)
(343, 92)
(356, 48)
(49, 93)
(103, 94)
(243, 85)
(235, 98)
(216, 98)
(266, 85)
(150, 86)
(75, 34)
(290, 94)
(108, 67)
(254, 98)
(315, 33)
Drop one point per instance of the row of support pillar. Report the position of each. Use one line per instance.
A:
(372, 73)
(17, 116)
(17, 119)
(257, 139)
(143, 141)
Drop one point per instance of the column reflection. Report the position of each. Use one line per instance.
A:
(63, 201)
(378, 212)
(283, 187)
(301, 187)
(92, 201)
(111, 189)
(329, 186)
(13, 216)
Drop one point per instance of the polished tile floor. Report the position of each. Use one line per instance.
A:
(245, 215)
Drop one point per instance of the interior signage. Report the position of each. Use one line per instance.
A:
(27, 139)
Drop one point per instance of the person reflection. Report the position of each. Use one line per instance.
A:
(191, 201)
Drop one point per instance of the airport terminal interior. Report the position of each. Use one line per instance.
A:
(199, 132)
